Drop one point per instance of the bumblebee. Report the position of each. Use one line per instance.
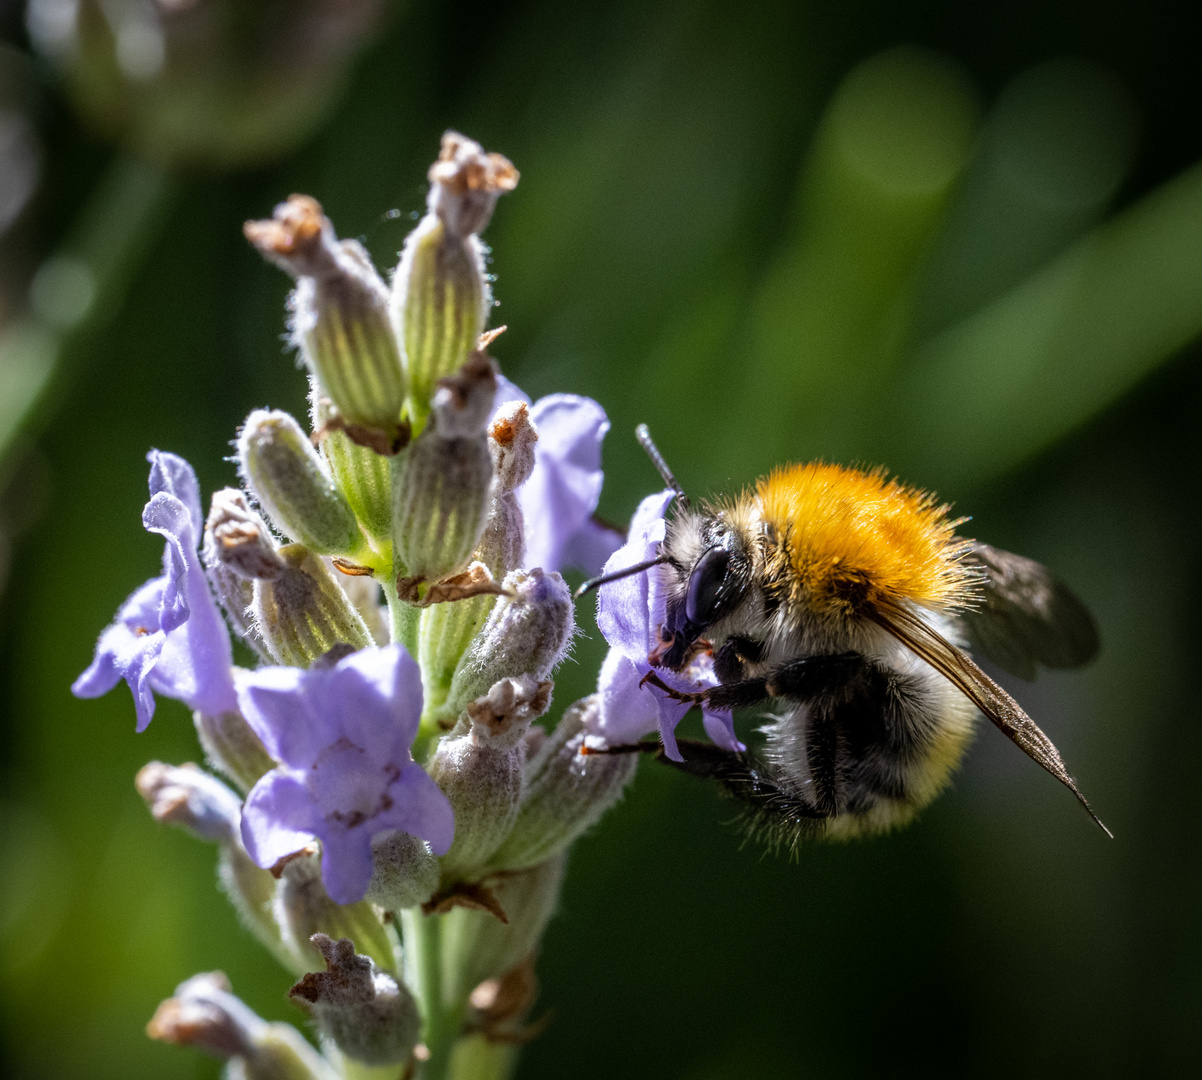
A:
(847, 601)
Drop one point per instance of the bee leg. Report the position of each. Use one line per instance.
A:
(809, 677)
(826, 685)
(731, 660)
(773, 807)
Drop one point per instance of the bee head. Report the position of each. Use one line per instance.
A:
(709, 571)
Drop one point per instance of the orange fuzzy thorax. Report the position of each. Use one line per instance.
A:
(848, 539)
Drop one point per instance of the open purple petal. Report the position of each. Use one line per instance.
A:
(271, 701)
(670, 715)
(170, 473)
(419, 807)
(376, 696)
(168, 638)
(624, 606)
(628, 711)
(279, 817)
(720, 727)
(590, 546)
(129, 649)
(346, 863)
(565, 486)
(168, 517)
(344, 735)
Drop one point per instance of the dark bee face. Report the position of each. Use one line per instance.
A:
(712, 587)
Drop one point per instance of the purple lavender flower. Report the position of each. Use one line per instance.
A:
(342, 736)
(168, 637)
(630, 612)
(559, 498)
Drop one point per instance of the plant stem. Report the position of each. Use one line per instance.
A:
(423, 964)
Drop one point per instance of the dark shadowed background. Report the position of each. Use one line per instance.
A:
(961, 240)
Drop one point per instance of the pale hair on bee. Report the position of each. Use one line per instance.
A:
(847, 602)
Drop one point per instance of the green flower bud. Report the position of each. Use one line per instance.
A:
(363, 591)
(480, 767)
(304, 613)
(205, 1014)
(362, 475)
(527, 633)
(339, 314)
(404, 872)
(478, 946)
(441, 484)
(566, 792)
(445, 632)
(232, 748)
(284, 472)
(303, 908)
(363, 1011)
(440, 295)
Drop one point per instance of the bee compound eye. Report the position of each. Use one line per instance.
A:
(705, 586)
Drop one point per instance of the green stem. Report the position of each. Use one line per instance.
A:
(77, 290)
(404, 619)
(423, 964)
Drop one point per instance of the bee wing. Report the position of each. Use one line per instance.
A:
(1027, 617)
(1001, 709)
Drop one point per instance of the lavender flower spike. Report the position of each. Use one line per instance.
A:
(559, 498)
(630, 612)
(342, 736)
(168, 637)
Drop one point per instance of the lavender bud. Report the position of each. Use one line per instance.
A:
(480, 768)
(478, 946)
(187, 796)
(239, 539)
(304, 613)
(340, 314)
(362, 475)
(304, 908)
(527, 633)
(404, 872)
(511, 439)
(440, 296)
(566, 792)
(282, 469)
(205, 1014)
(237, 549)
(441, 484)
(360, 1009)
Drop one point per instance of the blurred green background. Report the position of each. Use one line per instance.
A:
(964, 241)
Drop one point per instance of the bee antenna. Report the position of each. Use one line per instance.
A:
(617, 575)
(657, 459)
